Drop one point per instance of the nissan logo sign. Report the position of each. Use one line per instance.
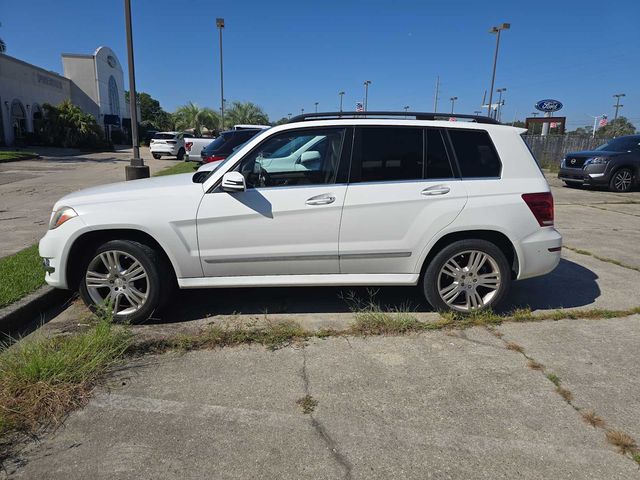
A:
(548, 105)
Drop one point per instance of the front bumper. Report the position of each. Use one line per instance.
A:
(591, 175)
(54, 249)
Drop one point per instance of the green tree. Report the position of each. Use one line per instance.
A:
(616, 128)
(282, 121)
(191, 116)
(245, 113)
(151, 112)
(68, 126)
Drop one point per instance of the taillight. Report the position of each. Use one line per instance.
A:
(212, 158)
(541, 205)
(172, 142)
(188, 145)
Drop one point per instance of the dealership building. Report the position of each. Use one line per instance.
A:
(94, 82)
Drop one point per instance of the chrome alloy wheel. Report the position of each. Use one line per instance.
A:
(469, 280)
(119, 280)
(622, 180)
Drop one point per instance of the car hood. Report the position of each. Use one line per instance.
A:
(157, 187)
(592, 153)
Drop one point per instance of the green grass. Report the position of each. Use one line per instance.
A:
(308, 404)
(42, 379)
(602, 259)
(182, 167)
(11, 156)
(20, 274)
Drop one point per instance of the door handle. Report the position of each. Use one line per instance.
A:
(436, 190)
(324, 199)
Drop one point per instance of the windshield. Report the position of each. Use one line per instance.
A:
(622, 144)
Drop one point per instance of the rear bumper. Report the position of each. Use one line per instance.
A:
(164, 150)
(539, 253)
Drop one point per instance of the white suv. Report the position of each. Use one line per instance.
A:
(167, 143)
(460, 208)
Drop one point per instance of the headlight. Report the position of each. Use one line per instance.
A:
(60, 216)
(597, 161)
(563, 163)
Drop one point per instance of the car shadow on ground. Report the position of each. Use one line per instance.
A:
(570, 285)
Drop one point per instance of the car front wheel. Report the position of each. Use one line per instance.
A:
(123, 277)
(180, 155)
(621, 181)
(466, 276)
(156, 156)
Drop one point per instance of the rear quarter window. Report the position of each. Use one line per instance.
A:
(476, 155)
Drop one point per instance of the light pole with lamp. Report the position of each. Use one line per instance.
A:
(220, 26)
(136, 168)
(498, 114)
(453, 101)
(366, 93)
(316, 104)
(341, 94)
(496, 30)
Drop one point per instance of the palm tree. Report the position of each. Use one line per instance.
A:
(191, 116)
(246, 113)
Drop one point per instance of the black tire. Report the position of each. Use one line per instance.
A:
(457, 250)
(157, 285)
(180, 155)
(621, 180)
(156, 156)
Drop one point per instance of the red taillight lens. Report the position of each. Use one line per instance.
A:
(541, 205)
(188, 145)
(213, 158)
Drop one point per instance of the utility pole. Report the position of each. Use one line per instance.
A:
(220, 25)
(366, 93)
(617, 105)
(341, 94)
(136, 169)
(435, 98)
(496, 30)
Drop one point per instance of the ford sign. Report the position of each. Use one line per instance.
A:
(548, 105)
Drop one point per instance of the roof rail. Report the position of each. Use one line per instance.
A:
(417, 115)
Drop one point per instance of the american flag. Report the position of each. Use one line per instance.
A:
(603, 121)
(359, 107)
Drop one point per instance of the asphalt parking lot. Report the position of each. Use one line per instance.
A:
(453, 404)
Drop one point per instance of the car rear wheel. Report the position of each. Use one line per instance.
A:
(467, 276)
(156, 156)
(180, 155)
(123, 277)
(621, 181)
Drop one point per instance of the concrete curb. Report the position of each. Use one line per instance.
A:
(21, 313)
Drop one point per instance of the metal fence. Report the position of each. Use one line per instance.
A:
(550, 149)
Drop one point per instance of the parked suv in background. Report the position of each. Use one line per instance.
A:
(167, 143)
(226, 143)
(615, 164)
(459, 208)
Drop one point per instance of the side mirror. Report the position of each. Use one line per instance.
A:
(310, 157)
(233, 182)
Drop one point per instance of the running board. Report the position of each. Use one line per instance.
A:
(301, 280)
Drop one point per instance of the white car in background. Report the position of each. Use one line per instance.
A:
(459, 208)
(167, 144)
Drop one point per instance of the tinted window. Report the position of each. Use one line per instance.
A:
(475, 153)
(227, 141)
(438, 165)
(387, 153)
(302, 157)
(622, 144)
(164, 136)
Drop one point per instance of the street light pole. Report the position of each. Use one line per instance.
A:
(289, 115)
(617, 105)
(496, 30)
(498, 115)
(220, 26)
(341, 94)
(316, 104)
(366, 93)
(453, 101)
(136, 169)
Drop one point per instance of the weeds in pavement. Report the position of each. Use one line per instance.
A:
(625, 443)
(515, 347)
(42, 379)
(592, 419)
(602, 259)
(564, 393)
(553, 378)
(533, 365)
(308, 404)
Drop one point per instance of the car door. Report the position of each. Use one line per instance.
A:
(402, 191)
(285, 223)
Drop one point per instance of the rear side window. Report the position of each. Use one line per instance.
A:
(438, 165)
(227, 141)
(387, 153)
(476, 155)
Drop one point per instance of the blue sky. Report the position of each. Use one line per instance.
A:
(286, 55)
